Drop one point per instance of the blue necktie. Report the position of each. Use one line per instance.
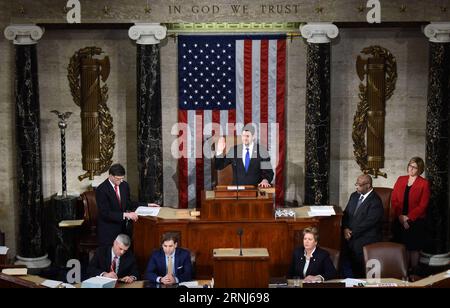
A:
(247, 160)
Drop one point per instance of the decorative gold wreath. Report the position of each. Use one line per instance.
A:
(360, 119)
(107, 134)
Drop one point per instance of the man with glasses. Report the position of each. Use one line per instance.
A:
(116, 211)
(362, 225)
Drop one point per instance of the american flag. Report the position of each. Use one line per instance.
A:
(225, 82)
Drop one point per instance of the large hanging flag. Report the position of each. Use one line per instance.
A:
(224, 83)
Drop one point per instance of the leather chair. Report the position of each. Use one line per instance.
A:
(392, 257)
(225, 176)
(335, 256)
(385, 195)
(88, 238)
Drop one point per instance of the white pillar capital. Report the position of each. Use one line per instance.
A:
(24, 34)
(147, 34)
(319, 32)
(438, 32)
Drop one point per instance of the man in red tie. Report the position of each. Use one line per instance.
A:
(116, 211)
(115, 262)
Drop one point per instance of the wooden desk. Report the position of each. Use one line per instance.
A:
(279, 236)
(251, 270)
(7, 281)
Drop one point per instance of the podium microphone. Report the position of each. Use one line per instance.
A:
(235, 171)
(240, 232)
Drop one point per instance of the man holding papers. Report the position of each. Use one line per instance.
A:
(115, 208)
(115, 262)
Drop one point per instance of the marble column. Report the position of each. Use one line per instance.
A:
(437, 133)
(149, 116)
(28, 141)
(317, 124)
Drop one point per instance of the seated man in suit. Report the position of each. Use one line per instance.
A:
(115, 208)
(251, 162)
(115, 262)
(362, 225)
(170, 264)
(311, 263)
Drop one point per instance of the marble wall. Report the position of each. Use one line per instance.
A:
(405, 111)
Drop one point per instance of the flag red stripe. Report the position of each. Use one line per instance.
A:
(216, 122)
(281, 78)
(264, 95)
(247, 81)
(200, 182)
(182, 162)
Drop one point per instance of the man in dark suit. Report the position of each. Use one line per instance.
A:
(251, 162)
(115, 262)
(115, 208)
(170, 264)
(362, 225)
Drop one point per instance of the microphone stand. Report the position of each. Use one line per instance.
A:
(240, 232)
(237, 175)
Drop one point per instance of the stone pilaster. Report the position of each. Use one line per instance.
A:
(28, 139)
(437, 133)
(149, 110)
(317, 130)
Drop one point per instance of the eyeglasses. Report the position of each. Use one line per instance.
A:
(360, 184)
(412, 166)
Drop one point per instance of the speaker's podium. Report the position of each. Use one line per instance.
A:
(231, 270)
(237, 203)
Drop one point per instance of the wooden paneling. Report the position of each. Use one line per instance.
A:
(201, 237)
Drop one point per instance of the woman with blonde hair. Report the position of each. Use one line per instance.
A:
(409, 203)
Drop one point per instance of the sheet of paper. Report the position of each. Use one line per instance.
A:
(323, 210)
(234, 187)
(148, 211)
(350, 282)
(3, 250)
(51, 283)
(190, 284)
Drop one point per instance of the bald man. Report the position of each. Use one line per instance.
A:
(362, 225)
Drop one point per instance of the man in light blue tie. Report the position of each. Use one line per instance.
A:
(250, 161)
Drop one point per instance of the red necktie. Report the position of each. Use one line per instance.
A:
(116, 188)
(114, 264)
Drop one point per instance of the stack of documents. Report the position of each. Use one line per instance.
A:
(321, 210)
(147, 211)
(99, 282)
